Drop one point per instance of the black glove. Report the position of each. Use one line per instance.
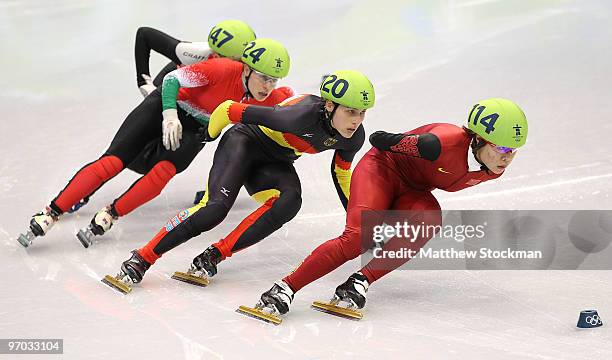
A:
(203, 135)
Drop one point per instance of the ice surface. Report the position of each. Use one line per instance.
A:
(68, 81)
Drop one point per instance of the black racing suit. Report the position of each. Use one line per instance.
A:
(258, 153)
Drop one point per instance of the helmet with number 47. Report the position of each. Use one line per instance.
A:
(500, 122)
(229, 37)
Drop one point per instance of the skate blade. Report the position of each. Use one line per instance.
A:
(116, 284)
(259, 315)
(337, 310)
(84, 237)
(191, 279)
(25, 239)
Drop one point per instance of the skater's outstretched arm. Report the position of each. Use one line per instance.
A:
(148, 39)
(426, 146)
(179, 52)
(289, 119)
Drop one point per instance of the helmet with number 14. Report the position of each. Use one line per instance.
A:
(500, 122)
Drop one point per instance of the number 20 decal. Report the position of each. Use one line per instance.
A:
(488, 121)
(255, 54)
(338, 86)
(215, 36)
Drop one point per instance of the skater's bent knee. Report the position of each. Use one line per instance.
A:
(107, 167)
(162, 172)
(209, 216)
(290, 201)
(350, 243)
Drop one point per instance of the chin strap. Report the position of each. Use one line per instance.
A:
(329, 115)
(476, 145)
(245, 84)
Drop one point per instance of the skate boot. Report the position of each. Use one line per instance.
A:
(101, 223)
(352, 292)
(39, 226)
(132, 271)
(203, 267)
(273, 303)
(78, 205)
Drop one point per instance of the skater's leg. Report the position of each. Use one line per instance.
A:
(153, 182)
(425, 211)
(420, 208)
(373, 186)
(231, 166)
(279, 185)
(141, 126)
(86, 181)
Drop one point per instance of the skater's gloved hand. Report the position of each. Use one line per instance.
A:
(147, 88)
(172, 130)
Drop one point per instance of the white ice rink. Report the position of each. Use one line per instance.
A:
(68, 81)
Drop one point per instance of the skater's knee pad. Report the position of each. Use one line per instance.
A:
(107, 166)
(162, 172)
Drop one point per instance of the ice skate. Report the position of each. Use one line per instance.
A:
(101, 223)
(273, 303)
(352, 293)
(132, 271)
(39, 226)
(203, 267)
(78, 205)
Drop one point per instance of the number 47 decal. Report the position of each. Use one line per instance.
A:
(487, 121)
(215, 37)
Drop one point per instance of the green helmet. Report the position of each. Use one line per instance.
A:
(268, 57)
(229, 37)
(349, 88)
(499, 121)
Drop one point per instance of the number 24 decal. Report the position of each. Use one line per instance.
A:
(487, 121)
(255, 54)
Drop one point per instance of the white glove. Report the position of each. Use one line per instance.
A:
(147, 88)
(172, 130)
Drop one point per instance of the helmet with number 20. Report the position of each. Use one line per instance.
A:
(500, 122)
(229, 37)
(349, 88)
(268, 57)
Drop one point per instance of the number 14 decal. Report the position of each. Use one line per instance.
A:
(487, 121)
